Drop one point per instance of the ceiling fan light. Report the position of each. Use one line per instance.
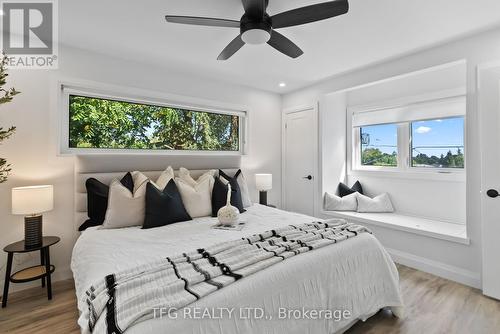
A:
(255, 36)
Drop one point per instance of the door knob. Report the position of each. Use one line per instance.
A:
(309, 177)
(492, 193)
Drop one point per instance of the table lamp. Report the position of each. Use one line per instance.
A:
(263, 183)
(32, 202)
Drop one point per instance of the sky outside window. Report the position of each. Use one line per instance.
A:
(379, 145)
(438, 143)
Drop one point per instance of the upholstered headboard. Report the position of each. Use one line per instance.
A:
(106, 178)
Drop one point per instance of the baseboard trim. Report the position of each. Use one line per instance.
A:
(437, 268)
(58, 275)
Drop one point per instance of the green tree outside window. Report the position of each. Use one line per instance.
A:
(110, 124)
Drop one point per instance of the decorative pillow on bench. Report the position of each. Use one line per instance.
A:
(336, 203)
(380, 203)
(344, 190)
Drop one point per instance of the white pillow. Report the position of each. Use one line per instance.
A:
(245, 194)
(164, 177)
(126, 209)
(196, 194)
(381, 203)
(185, 175)
(337, 203)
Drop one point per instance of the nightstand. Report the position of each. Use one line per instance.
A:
(43, 271)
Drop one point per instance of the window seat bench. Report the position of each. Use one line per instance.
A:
(417, 225)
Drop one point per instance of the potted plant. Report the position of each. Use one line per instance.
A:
(8, 94)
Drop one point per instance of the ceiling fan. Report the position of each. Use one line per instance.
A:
(257, 27)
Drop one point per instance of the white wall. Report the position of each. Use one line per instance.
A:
(462, 260)
(442, 200)
(33, 150)
(410, 86)
(332, 140)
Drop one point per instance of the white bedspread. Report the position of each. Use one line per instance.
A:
(355, 275)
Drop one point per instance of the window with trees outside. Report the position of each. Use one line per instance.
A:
(438, 143)
(425, 144)
(414, 136)
(379, 145)
(99, 123)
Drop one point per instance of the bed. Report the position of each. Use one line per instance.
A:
(356, 275)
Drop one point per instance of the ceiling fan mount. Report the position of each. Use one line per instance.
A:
(258, 27)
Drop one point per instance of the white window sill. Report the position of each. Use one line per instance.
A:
(431, 228)
(107, 152)
(445, 176)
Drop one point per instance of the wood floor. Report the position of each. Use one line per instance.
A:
(29, 311)
(433, 305)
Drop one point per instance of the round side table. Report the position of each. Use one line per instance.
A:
(43, 271)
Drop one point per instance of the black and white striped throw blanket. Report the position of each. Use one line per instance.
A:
(125, 298)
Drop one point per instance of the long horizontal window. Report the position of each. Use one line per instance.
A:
(99, 123)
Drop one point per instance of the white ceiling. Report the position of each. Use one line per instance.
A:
(372, 31)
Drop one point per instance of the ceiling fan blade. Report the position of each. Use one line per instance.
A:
(310, 14)
(255, 8)
(202, 21)
(284, 45)
(231, 48)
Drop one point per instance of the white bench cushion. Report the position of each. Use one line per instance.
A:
(432, 228)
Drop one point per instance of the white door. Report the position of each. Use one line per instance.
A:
(489, 113)
(300, 161)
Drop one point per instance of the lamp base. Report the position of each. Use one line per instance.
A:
(33, 231)
(263, 197)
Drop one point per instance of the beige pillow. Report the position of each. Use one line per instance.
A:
(164, 177)
(196, 194)
(126, 209)
(185, 175)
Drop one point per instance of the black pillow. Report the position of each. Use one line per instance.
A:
(97, 200)
(164, 207)
(229, 178)
(345, 190)
(233, 181)
(219, 195)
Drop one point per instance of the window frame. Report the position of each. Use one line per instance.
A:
(157, 99)
(410, 148)
(358, 149)
(404, 154)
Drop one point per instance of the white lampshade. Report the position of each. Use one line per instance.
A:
(32, 200)
(264, 182)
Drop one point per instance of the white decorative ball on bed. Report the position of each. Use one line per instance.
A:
(228, 214)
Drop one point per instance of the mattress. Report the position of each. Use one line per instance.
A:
(344, 282)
